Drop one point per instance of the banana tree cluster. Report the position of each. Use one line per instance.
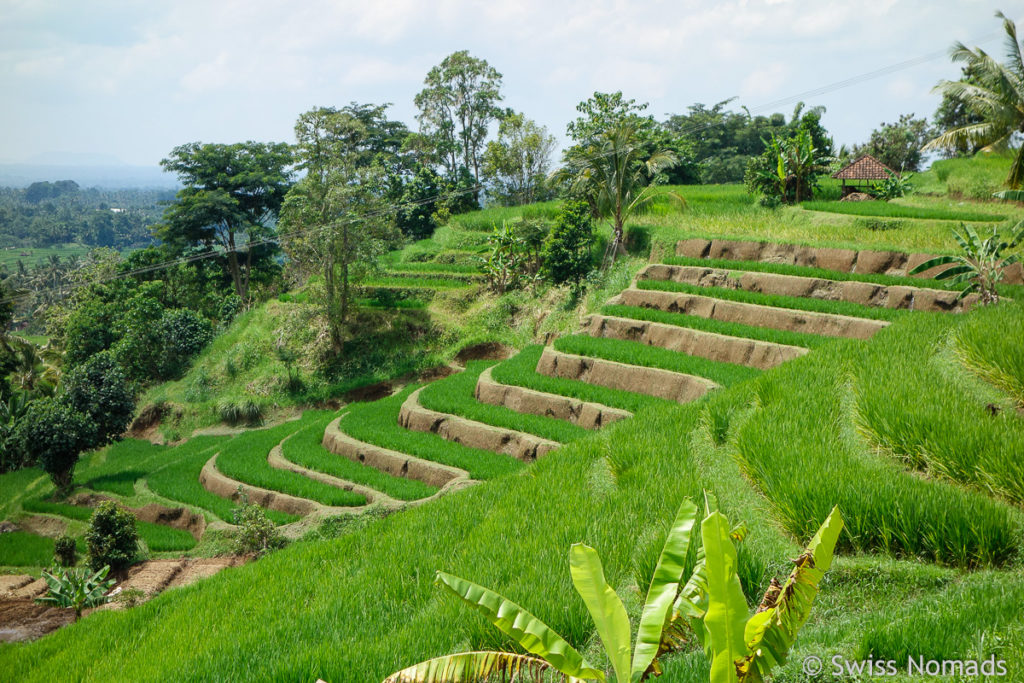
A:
(981, 264)
(708, 605)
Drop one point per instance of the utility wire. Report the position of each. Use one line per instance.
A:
(767, 106)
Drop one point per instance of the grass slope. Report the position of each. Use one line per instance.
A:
(894, 210)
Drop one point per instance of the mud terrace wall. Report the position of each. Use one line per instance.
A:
(672, 386)
(718, 347)
(825, 324)
(865, 293)
(525, 447)
(845, 260)
(521, 400)
(391, 462)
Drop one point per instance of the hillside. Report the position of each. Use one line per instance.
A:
(785, 376)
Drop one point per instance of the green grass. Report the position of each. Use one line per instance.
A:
(894, 210)
(934, 416)
(245, 458)
(414, 282)
(377, 423)
(521, 371)
(38, 255)
(487, 219)
(22, 549)
(946, 625)
(116, 468)
(179, 481)
(989, 344)
(158, 537)
(305, 448)
(20, 484)
(730, 329)
(969, 177)
(635, 353)
(777, 300)
(454, 395)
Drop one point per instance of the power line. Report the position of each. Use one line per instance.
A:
(814, 92)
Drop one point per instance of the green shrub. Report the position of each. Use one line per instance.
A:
(98, 388)
(245, 412)
(256, 533)
(64, 551)
(53, 434)
(568, 247)
(878, 224)
(184, 334)
(112, 538)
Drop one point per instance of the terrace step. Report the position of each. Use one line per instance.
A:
(395, 463)
(864, 293)
(522, 400)
(519, 445)
(672, 386)
(824, 324)
(845, 260)
(221, 485)
(753, 353)
(277, 460)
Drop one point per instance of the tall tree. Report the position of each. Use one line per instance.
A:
(898, 145)
(996, 96)
(517, 163)
(456, 106)
(230, 201)
(334, 219)
(615, 172)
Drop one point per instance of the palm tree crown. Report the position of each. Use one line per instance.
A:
(996, 96)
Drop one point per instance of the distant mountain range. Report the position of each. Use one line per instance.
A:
(88, 170)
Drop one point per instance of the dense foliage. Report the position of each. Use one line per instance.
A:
(112, 539)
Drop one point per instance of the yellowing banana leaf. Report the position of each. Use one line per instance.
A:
(472, 667)
(665, 587)
(532, 634)
(604, 605)
(726, 615)
(770, 634)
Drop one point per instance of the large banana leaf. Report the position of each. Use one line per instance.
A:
(473, 667)
(727, 609)
(604, 605)
(532, 634)
(769, 634)
(664, 589)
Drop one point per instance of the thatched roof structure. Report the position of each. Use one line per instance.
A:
(865, 167)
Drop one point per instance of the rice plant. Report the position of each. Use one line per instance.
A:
(891, 210)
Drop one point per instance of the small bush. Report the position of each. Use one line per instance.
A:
(638, 240)
(112, 538)
(64, 551)
(246, 411)
(878, 224)
(942, 172)
(256, 533)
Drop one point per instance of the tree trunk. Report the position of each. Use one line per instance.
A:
(236, 275)
(62, 481)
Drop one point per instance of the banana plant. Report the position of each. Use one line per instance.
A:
(710, 602)
(981, 265)
(77, 589)
(548, 650)
(742, 649)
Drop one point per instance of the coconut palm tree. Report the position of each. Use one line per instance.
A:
(616, 173)
(995, 94)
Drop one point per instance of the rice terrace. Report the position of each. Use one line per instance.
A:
(429, 392)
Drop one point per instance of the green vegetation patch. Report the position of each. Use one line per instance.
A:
(455, 395)
(635, 353)
(157, 536)
(305, 448)
(245, 458)
(22, 549)
(892, 210)
(730, 329)
(521, 371)
(179, 481)
(377, 424)
(777, 300)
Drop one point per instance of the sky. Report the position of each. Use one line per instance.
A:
(126, 81)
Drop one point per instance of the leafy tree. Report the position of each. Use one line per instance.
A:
(231, 197)
(897, 145)
(183, 334)
(995, 94)
(112, 538)
(567, 250)
(456, 107)
(603, 112)
(53, 434)
(788, 169)
(418, 204)
(334, 219)
(98, 388)
(516, 164)
(616, 176)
